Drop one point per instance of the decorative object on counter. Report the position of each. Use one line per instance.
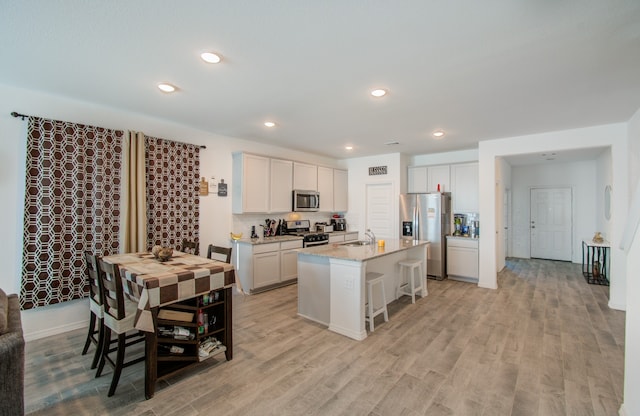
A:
(597, 238)
(380, 243)
(162, 253)
(254, 236)
(165, 254)
(236, 237)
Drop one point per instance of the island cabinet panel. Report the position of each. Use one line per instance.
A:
(281, 185)
(305, 176)
(331, 281)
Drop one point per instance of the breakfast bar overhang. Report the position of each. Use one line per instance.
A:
(331, 288)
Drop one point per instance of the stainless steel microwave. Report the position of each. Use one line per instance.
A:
(305, 200)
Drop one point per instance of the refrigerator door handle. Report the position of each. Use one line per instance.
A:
(416, 224)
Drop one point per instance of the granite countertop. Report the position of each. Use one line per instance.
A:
(361, 253)
(267, 240)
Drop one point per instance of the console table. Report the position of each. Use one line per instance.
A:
(594, 262)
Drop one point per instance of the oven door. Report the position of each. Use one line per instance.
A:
(306, 244)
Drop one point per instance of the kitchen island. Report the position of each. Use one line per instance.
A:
(331, 288)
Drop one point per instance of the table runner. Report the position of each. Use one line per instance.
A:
(153, 283)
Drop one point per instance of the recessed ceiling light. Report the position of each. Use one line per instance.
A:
(210, 57)
(438, 134)
(269, 123)
(165, 87)
(348, 147)
(379, 93)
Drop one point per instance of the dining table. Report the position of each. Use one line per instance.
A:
(153, 283)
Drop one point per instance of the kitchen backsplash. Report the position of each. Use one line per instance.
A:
(242, 223)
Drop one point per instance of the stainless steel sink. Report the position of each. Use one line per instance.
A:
(357, 243)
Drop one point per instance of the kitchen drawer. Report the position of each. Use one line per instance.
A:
(265, 248)
(336, 238)
(463, 242)
(286, 245)
(351, 236)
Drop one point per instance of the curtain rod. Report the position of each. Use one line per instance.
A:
(23, 116)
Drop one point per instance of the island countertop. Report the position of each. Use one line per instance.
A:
(361, 253)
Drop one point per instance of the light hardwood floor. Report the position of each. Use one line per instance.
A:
(544, 343)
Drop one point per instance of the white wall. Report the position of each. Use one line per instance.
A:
(359, 179)
(614, 135)
(631, 402)
(215, 212)
(503, 184)
(579, 176)
(460, 156)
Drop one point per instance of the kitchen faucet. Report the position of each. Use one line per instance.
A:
(370, 236)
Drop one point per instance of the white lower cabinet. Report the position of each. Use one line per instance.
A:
(341, 237)
(289, 260)
(336, 238)
(267, 266)
(266, 269)
(351, 236)
(462, 259)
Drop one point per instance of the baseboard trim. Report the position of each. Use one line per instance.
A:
(622, 411)
(56, 330)
(617, 307)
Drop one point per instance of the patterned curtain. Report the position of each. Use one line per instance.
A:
(72, 204)
(173, 198)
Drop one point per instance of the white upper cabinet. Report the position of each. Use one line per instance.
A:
(281, 185)
(421, 179)
(325, 187)
(250, 187)
(340, 191)
(464, 187)
(305, 176)
(438, 175)
(417, 179)
(264, 185)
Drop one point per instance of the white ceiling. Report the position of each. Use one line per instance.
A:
(477, 69)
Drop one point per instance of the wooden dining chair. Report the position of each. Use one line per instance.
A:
(95, 334)
(191, 247)
(119, 315)
(223, 252)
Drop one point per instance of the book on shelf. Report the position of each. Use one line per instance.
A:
(172, 315)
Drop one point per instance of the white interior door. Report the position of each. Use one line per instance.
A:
(380, 203)
(551, 223)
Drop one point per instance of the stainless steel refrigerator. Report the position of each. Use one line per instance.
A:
(428, 217)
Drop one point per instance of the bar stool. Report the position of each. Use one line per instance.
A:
(372, 279)
(414, 283)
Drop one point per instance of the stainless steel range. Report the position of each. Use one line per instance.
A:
(303, 228)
